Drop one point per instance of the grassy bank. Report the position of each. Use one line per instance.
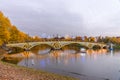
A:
(13, 72)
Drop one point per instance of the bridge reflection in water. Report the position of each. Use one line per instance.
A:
(94, 64)
(55, 56)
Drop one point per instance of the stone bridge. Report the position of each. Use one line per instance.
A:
(54, 44)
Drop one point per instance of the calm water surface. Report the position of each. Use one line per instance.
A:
(93, 65)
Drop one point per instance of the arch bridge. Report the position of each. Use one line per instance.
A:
(54, 44)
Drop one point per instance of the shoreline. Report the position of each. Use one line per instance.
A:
(10, 71)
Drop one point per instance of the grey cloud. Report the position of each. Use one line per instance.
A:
(81, 17)
(51, 18)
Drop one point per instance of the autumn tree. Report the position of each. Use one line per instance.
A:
(8, 32)
(86, 39)
(78, 38)
(91, 39)
(4, 28)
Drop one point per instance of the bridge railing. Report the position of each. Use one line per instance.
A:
(47, 40)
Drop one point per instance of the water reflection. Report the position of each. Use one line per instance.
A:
(56, 56)
(95, 64)
(96, 52)
(63, 57)
(111, 52)
(26, 55)
(41, 49)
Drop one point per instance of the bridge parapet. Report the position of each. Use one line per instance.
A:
(54, 44)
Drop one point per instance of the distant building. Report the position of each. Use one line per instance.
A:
(67, 37)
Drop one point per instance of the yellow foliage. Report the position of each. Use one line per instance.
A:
(1, 42)
(8, 32)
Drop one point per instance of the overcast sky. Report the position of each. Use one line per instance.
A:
(77, 17)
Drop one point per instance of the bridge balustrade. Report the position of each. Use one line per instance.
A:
(54, 44)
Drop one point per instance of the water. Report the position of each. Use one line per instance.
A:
(92, 65)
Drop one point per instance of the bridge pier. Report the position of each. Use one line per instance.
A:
(27, 49)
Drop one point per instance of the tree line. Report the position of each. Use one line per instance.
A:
(99, 39)
(9, 32)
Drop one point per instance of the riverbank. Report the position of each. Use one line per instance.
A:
(13, 72)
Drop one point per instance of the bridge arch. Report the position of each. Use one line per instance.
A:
(15, 49)
(85, 44)
(32, 46)
(96, 47)
(80, 45)
(54, 44)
